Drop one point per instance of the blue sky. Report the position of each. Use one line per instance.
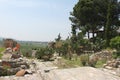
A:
(36, 20)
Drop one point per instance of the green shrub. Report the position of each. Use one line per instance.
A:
(116, 54)
(100, 63)
(1, 55)
(1, 50)
(84, 59)
(44, 53)
(115, 43)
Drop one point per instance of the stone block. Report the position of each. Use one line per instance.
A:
(21, 73)
(108, 67)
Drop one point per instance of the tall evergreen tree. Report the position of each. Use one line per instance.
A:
(112, 21)
(91, 15)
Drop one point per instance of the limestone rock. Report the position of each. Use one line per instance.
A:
(81, 73)
(15, 56)
(6, 56)
(0, 62)
(23, 66)
(108, 67)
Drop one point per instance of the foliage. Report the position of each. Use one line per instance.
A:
(27, 47)
(1, 55)
(115, 42)
(116, 54)
(1, 50)
(92, 63)
(111, 21)
(59, 38)
(43, 53)
(100, 63)
(66, 63)
(99, 44)
(84, 58)
(64, 48)
(89, 16)
(4, 71)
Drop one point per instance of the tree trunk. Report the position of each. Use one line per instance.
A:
(93, 35)
(108, 25)
(88, 35)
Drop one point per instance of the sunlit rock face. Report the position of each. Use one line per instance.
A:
(82, 73)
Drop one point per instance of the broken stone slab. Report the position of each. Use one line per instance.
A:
(47, 69)
(14, 63)
(21, 73)
(104, 65)
(108, 67)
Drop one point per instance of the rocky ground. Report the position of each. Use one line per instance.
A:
(40, 70)
(47, 71)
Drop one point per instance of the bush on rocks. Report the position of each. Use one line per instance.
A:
(93, 60)
(115, 42)
(44, 53)
(84, 59)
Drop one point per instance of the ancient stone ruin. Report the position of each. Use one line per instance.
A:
(12, 61)
(12, 66)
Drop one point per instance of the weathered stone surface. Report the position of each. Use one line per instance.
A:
(26, 77)
(12, 66)
(23, 66)
(115, 63)
(82, 73)
(13, 71)
(118, 71)
(108, 67)
(6, 56)
(104, 65)
(15, 56)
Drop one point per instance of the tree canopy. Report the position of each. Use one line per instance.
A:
(90, 16)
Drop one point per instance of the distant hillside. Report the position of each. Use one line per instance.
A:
(1, 41)
(1, 38)
(27, 46)
(28, 43)
(33, 43)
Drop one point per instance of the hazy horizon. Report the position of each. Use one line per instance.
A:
(35, 20)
